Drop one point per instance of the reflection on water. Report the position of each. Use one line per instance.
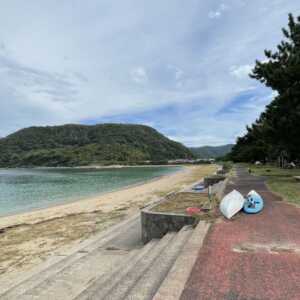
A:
(27, 189)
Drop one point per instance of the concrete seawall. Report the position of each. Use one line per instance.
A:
(155, 224)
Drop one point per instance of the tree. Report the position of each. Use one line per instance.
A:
(281, 70)
(277, 130)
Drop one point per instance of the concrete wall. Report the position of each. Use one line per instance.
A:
(156, 225)
(219, 188)
(211, 180)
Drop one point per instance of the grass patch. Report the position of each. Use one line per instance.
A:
(280, 181)
(227, 166)
(178, 203)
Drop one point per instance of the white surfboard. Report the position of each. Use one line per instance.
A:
(231, 204)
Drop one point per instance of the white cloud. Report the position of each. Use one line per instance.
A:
(139, 75)
(86, 61)
(215, 14)
(242, 71)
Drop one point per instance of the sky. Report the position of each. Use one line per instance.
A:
(179, 66)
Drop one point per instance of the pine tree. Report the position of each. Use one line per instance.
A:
(277, 131)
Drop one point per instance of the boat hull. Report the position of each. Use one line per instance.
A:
(231, 204)
(254, 203)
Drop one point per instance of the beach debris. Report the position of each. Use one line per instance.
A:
(297, 178)
(291, 165)
(231, 204)
(193, 210)
(221, 170)
(199, 187)
(254, 203)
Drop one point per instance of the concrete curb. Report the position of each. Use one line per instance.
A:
(222, 188)
(174, 283)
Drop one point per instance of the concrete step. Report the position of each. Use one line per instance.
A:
(56, 265)
(173, 285)
(119, 287)
(103, 284)
(98, 270)
(146, 287)
(75, 278)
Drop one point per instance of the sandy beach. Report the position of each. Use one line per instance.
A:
(29, 238)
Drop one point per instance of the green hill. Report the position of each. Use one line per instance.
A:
(75, 145)
(211, 151)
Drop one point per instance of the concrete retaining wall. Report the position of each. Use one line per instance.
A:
(219, 188)
(155, 224)
(211, 180)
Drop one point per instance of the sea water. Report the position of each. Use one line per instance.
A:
(23, 190)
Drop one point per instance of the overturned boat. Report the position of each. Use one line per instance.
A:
(232, 203)
(199, 187)
(254, 203)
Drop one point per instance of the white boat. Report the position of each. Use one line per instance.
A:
(231, 204)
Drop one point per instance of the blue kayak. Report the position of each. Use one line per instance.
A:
(254, 203)
(199, 187)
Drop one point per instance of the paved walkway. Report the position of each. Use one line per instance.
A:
(252, 257)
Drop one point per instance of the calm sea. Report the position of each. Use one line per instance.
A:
(23, 190)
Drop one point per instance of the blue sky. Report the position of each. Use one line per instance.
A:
(179, 66)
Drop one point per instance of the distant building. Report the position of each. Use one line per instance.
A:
(191, 161)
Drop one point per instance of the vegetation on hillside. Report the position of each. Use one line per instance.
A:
(211, 151)
(275, 134)
(75, 145)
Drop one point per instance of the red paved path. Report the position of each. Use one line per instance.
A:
(253, 256)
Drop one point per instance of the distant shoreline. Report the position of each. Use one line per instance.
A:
(90, 167)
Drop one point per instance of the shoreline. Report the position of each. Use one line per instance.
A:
(85, 198)
(30, 238)
(14, 219)
(93, 167)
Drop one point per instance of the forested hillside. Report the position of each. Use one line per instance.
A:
(75, 145)
(276, 133)
(211, 151)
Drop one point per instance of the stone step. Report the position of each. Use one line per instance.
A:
(103, 284)
(146, 287)
(121, 286)
(173, 285)
(56, 265)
